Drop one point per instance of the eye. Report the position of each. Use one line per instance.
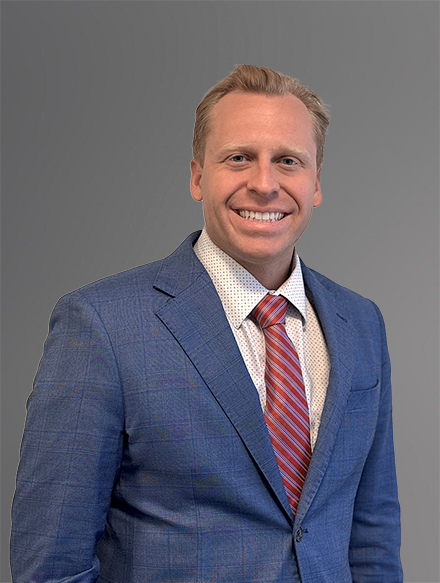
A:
(238, 158)
(289, 161)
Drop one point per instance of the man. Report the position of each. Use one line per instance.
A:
(224, 414)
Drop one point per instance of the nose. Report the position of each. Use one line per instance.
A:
(263, 179)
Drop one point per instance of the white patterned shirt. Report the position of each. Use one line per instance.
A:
(239, 293)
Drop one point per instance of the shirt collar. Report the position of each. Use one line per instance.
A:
(239, 291)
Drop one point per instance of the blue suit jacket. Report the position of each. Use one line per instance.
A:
(146, 456)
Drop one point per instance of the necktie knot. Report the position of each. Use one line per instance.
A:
(270, 310)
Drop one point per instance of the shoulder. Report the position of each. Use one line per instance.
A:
(109, 302)
(121, 287)
(124, 285)
(151, 283)
(363, 321)
(348, 301)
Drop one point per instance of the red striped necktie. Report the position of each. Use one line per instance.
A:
(287, 413)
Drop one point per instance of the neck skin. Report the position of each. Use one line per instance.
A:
(271, 274)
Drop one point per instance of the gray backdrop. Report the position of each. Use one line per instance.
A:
(98, 108)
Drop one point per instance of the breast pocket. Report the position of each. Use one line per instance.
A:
(360, 419)
(357, 430)
(363, 395)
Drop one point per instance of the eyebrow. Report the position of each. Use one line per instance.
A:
(284, 150)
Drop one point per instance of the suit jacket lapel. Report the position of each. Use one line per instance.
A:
(195, 316)
(339, 336)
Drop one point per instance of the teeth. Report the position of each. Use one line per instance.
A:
(255, 216)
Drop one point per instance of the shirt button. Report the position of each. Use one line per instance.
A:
(299, 534)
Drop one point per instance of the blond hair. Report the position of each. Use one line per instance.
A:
(251, 79)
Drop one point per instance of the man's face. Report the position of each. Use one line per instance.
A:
(260, 158)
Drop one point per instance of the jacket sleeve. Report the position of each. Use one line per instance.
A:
(375, 538)
(71, 451)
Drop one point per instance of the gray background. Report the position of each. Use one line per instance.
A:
(98, 109)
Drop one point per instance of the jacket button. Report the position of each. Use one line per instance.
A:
(299, 534)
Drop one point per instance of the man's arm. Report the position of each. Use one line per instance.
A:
(71, 451)
(375, 536)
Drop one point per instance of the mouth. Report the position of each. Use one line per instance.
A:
(265, 217)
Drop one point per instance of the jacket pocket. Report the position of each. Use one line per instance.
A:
(361, 397)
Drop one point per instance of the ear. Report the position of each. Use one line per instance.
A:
(196, 178)
(317, 197)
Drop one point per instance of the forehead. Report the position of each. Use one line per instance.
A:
(254, 116)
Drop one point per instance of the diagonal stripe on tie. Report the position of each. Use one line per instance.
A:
(287, 412)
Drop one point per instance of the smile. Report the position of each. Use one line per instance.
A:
(264, 217)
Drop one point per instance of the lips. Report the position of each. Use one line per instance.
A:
(268, 217)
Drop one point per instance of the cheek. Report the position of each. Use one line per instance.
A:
(305, 196)
(215, 201)
(213, 211)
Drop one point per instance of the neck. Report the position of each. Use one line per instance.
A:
(270, 275)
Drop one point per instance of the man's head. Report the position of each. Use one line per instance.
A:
(259, 179)
(251, 79)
